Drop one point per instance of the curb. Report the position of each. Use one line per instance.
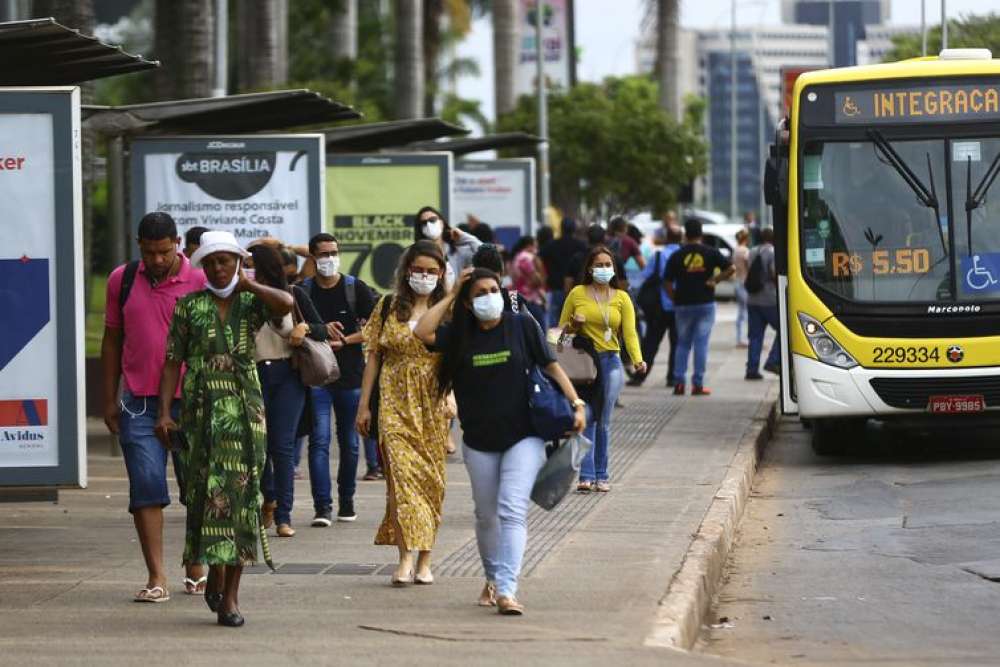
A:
(693, 588)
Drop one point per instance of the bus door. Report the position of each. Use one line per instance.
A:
(776, 196)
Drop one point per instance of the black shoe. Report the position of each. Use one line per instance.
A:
(776, 369)
(670, 382)
(231, 619)
(753, 376)
(346, 511)
(323, 518)
(213, 600)
(635, 382)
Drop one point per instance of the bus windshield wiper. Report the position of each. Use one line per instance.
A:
(974, 200)
(926, 196)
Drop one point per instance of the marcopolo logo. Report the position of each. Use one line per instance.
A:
(953, 310)
(228, 176)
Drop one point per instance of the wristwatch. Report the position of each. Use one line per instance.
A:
(579, 403)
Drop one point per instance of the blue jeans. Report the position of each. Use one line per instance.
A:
(760, 317)
(741, 313)
(145, 458)
(284, 397)
(344, 404)
(595, 464)
(557, 298)
(371, 455)
(501, 491)
(694, 328)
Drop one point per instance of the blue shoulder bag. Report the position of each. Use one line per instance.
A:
(550, 412)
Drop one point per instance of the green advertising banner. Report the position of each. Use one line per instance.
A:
(371, 201)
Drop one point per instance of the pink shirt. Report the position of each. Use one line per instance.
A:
(522, 270)
(148, 312)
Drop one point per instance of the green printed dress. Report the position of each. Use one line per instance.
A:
(222, 417)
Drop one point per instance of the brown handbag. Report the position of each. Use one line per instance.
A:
(314, 360)
(578, 364)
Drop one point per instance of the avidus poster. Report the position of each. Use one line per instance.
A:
(500, 193)
(557, 45)
(42, 440)
(371, 204)
(251, 186)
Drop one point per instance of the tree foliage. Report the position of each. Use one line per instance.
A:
(969, 31)
(613, 149)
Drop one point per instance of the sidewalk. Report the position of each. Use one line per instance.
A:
(595, 570)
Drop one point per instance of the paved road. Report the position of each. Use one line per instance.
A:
(884, 559)
(595, 572)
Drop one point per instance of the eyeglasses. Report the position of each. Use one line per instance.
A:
(418, 272)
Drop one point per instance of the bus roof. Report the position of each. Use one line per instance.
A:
(930, 67)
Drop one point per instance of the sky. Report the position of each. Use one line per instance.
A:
(607, 30)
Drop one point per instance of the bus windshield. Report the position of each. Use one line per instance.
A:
(874, 223)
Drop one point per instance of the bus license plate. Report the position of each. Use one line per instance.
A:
(956, 404)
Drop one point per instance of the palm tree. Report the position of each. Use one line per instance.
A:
(504, 53)
(666, 54)
(344, 32)
(262, 60)
(183, 43)
(409, 60)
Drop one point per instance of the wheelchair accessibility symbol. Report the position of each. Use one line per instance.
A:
(982, 273)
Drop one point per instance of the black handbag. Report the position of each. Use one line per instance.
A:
(649, 291)
(373, 401)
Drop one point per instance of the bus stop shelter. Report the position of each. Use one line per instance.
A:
(371, 137)
(466, 145)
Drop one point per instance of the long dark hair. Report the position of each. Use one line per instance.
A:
(463, 326)
(418, 228)
(405, 296)
(268, 268)
(588, 278)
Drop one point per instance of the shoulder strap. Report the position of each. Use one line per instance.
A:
(128, 279)
(351, 291)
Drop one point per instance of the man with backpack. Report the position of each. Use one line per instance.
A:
(140, 306)
(762, 306)
(344, 303)
(657, 307)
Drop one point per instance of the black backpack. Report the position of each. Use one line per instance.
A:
(649, 291)
(755, 276)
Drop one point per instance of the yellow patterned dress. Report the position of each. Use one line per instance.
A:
(413, 430)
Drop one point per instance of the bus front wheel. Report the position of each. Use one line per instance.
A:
(837, 437)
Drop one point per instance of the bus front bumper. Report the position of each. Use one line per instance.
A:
(826, 391)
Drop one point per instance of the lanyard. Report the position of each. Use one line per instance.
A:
(605, 311)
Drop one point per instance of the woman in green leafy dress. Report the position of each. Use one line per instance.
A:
(222, 416)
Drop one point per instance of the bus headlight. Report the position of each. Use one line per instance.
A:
(823, 344)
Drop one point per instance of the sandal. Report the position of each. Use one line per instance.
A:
(488, 598)
(603, 486)
(584, 487)
(154, 594)
(195, 586)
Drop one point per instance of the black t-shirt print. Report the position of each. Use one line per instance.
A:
(333, 307)
(689, 268)
(491, 387)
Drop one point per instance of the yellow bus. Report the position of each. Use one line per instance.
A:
(882, 182)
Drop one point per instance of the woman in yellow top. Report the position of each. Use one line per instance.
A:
(602, 312)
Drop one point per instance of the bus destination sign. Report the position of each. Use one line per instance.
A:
(934, 104)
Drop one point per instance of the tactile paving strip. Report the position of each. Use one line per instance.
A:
(634, 429)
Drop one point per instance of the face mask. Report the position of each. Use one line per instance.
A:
(328, 266)
(432, 230)
(226, 291)
(422, 284)
(603, 274)
(488, 307)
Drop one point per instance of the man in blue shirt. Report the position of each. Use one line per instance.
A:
(661, 321)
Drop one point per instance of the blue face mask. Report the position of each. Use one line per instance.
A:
(488, 307)
(603, 274)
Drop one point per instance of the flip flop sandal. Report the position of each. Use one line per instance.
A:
(195, 586)
(154, 594)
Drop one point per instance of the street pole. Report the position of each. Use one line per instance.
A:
(543, 118)
(923, 27)
(733, 199)
(944, 25)
(221, 48)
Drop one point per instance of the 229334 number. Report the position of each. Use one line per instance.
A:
(904, 355)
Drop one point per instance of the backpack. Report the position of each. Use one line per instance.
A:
(755, 276)
(350, 291)
(128, 280)
(649, 292)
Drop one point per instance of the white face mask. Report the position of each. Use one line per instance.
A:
(328, 266)
(433, 230)
(423, 284)
(603, 274)
(488, 307)
(226, 291)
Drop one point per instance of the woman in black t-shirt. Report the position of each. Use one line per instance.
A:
(486, 366)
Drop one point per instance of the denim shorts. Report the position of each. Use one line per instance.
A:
(145, 458)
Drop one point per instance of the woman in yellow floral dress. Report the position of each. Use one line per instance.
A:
(412, 420)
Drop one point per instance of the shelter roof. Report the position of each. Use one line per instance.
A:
(375, 136)
(465, 145)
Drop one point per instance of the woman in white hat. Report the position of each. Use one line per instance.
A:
(222, 420)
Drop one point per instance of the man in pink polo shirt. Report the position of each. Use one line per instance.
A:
(140, 304)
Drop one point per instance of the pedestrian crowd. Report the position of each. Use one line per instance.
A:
(232, 361)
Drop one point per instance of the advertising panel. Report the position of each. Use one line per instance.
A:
(42, 436)
(371, 204)
(556, 45)
(252, 186)
(500, 193)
